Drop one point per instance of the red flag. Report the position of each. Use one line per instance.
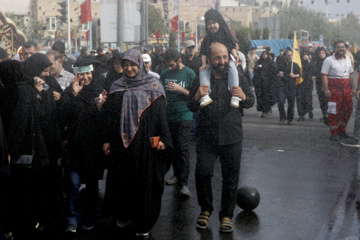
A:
(157, 36)
(174, 23)
(87, 35)
(55, 36)
(85, 6)
(71, 34)
(233, 33)
(182, 36)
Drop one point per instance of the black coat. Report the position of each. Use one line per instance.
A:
(83, 150)
(218, 121)
(194, 64)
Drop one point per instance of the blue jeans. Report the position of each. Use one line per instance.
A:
(86, 211)
(251, 76)
(233, 76)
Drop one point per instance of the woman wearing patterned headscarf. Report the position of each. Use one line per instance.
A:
(134, 112)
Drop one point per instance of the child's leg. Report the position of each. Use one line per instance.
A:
(233, 76)
(205, 77)
(205, 80)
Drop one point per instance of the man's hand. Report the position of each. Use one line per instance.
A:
(106, 149)
(202, 91)
(294, 75)
(57, 96)
(238, 92)
(161, 146)
(203, 67)
(313, 78)
(327, 93)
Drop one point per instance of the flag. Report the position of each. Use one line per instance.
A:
(182, 37)
(233, 33)
(85, 6)
(296, 58)
(87, 35)
(55, 36)
(355, 48)
(175, 20)
(71, 34)
(157, 36)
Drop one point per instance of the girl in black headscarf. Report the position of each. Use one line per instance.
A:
(264, 83)
(81, 119)
(218, 31)
(320, 55)
(134, 112)
(115, 70)
(30, 196)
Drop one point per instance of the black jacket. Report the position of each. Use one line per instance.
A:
(194, 64)
(218, 121)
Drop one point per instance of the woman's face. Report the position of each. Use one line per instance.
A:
(85, 78)
(45, 73)
(265, 56)
(212, 26)
(322, 54)
(117, 66)
(130, 68)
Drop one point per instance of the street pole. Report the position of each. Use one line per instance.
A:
(120, 25)
(68, 24)
(217, 5)
(146, 22)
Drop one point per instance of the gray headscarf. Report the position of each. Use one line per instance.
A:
(141, 91)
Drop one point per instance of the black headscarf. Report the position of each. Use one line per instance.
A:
(113, 75)
(141, 91)
(263, 61)
(34, 66)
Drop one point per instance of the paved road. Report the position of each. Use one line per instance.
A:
(308, 189)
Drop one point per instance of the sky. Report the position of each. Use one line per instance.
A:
(334, 8)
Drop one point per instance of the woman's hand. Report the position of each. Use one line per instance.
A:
(77, 86)
(38, 84)
(106, 149)
(99, 101)
(161, 146)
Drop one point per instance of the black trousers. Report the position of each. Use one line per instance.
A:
(180, 134)
(230, 157)
(322, 99)
(304, 97)
(287, 91)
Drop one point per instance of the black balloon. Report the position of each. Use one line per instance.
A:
(248, 198)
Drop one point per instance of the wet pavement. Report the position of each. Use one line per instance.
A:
(308, 187)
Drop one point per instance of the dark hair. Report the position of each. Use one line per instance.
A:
(30, 44)
(3, 54)
(83, 50)
(99, 50)
(59, 46)
(54, 53)
(171, 54)
(337, 42)
(158, 47)
(286, 51)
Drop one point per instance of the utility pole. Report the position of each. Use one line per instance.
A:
(217, 5)
(68, 24)
(120, 25)
(144, 23)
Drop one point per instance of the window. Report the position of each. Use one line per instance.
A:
(184, 26)
(51, 23)
(83, 27)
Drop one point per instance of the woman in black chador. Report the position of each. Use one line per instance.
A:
(134, 112)
(265, 83)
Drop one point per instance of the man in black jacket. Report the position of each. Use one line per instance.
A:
(190, 59)
(219, 134)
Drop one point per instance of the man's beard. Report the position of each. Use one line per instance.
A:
(218, 70)
(176, 68)
(340, 54)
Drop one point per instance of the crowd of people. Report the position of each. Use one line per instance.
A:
(64, 119)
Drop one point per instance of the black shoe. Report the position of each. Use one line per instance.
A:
(263, 115)
(290, 123)
(282, 122)
(334, 138)
(311, 115)
(301, 119)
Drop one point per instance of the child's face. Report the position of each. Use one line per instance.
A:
(212, 26)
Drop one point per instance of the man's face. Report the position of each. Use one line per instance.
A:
(288, 56)
(85, 78)
(340, 49)
(28, 52)
(173, 66)
(55, 69)
(252, 51)
(190, 51)
(219, 59)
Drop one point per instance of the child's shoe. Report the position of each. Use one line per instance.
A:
(205, 100)
(235, 101)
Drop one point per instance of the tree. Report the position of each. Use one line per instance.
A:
(266, 33)
(156, 21)
(172, 40)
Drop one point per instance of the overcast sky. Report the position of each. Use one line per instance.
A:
(334, 7)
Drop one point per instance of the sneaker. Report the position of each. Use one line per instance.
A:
(334, 138)
(350, 142)
(71, 228)
(172, 180)
(235, 102)
(263, 115)
(185, 191)
(205, 100)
